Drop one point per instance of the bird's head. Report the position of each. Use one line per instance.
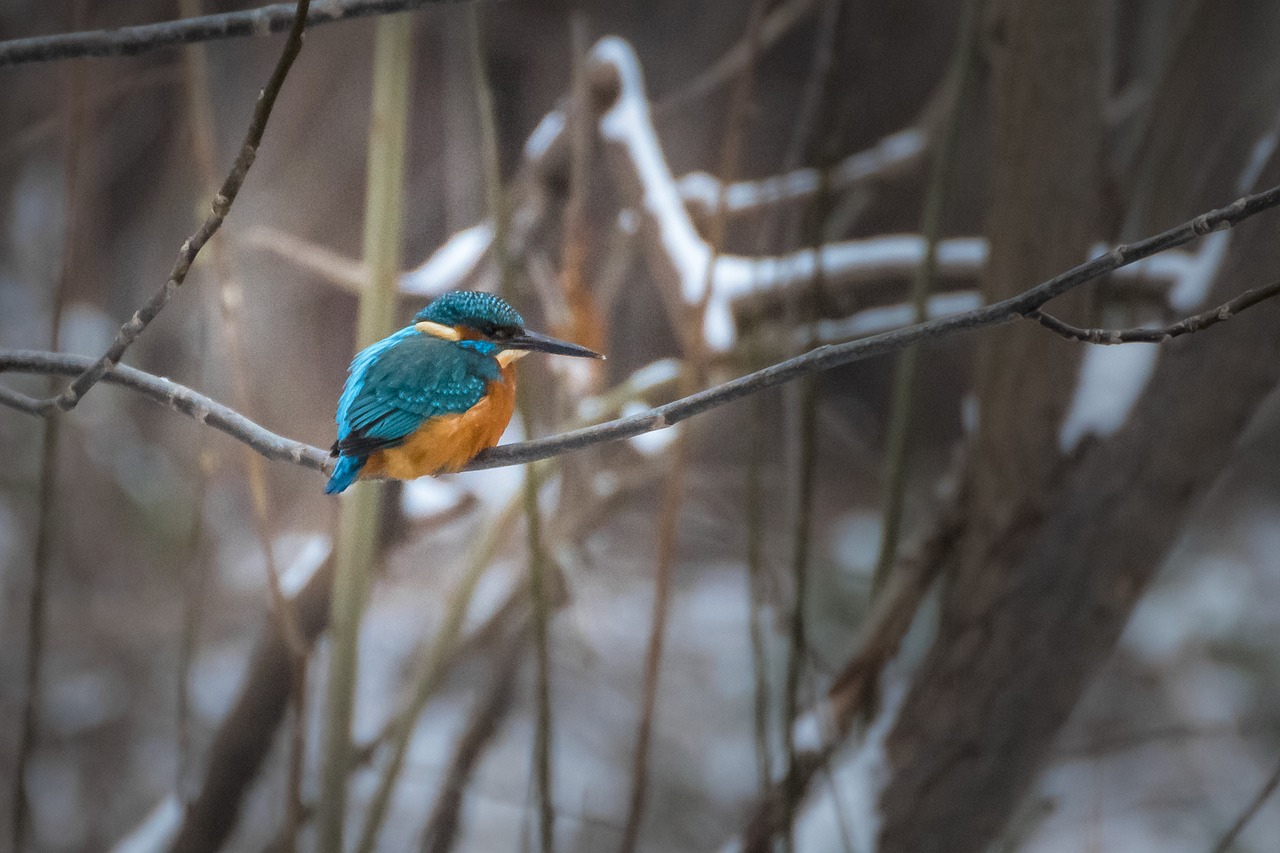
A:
(465, 315)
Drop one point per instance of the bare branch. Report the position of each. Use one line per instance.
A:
(230, 311)
(47, 519)
(1264, 793)
(490, 713)
(191, 247)
(167, 393)
(1141, 335)
(822, 358)
(855, 686)
(333, 267)
(776, 24)
(246, 732)
(129, 41)
(692, 375)
(828, 357)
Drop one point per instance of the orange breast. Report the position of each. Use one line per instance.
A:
(446, 443)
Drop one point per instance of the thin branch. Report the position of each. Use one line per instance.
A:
(191, 247)
(756, 617)
(434, 665)
(881, 634)
(902, 415)
(47, 517)
(491, 711)
(167, 393)
(499, 209)
(693, 375)
(831, 356)
(229, 308)
(797, 623)
(1140, 335)
(197, 561)
(358, 545)
(130, 41)
(776, 24)
(822, 358)
(1264, 793)
(818, 125)
(581, 317)
(37, 612)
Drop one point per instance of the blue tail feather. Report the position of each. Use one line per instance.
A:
(344, 473)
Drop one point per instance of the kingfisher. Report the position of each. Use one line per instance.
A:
(428, 398)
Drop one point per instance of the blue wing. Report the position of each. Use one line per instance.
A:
(402, 381)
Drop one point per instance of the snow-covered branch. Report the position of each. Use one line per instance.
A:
(892, 155)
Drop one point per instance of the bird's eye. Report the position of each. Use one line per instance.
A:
(502, 333)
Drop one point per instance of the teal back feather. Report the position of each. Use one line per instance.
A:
(397, 384)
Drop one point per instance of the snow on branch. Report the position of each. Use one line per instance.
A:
(450, 265)
(892, 155)
(682, 255)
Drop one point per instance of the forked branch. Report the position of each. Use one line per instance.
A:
(191, 247)
(1142, 335)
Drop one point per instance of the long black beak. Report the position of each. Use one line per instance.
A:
(538, 342)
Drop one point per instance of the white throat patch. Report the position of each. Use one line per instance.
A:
(509, 356)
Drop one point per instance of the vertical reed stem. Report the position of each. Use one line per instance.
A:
(358, 525)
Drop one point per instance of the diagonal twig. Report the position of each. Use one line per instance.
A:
(1264, 793)
(491, 711)
(692, 375)
(937, 197)
(777, 23)
(191, 247)
(1141, 335)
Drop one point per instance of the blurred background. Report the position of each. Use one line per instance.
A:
(165, 715)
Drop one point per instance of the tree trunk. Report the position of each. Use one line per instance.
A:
(1059, 549)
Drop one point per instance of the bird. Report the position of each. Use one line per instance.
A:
(426, 399)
